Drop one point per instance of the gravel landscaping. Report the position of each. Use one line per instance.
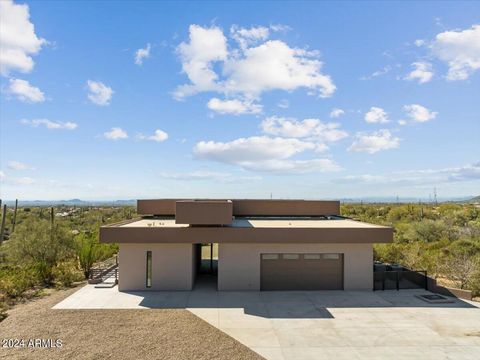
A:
(115, 334)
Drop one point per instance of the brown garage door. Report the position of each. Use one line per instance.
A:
(301, 271)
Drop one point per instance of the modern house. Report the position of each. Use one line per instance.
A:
(262, 245)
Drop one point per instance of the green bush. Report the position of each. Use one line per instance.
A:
(15, 281)
(66, 273)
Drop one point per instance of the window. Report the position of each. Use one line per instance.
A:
(311, 256)
(269, 256)
(331, 256)
(291, 256)
(148, 282)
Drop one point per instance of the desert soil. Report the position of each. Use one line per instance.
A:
(115, 334)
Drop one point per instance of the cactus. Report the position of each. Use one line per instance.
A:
(2, 229)
(14, 219)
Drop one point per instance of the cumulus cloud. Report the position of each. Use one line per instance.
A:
(205, 46)
(335, 113)
(376, 115)
(142, 54)
(115, 133)
(374, 141)
(263, 153)
(17, 165)
(25, 92)
(234, 107)
(54, 125)
(460, 50)
(246, 37)
(245, 72)
(422, 72)
(312, 129)
(18, 41)
(419, 113)
(99, 93)
(158, 136)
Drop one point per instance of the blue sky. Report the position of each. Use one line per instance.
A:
(104, 100)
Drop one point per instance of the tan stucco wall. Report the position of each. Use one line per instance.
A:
(239, 264)
(172, 266)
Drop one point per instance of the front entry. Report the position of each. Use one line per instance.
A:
(206, 264)
(301, 271)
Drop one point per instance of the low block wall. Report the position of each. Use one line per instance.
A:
(447, 291)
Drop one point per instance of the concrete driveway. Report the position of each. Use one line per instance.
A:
(317, 324)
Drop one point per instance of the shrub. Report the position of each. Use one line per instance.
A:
(66, 273)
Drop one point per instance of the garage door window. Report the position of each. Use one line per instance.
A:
(311, 256)
(331, 256)
(291, 256)
(269, 256)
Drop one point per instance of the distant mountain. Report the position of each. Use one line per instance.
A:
(72, 202)
(476, 199)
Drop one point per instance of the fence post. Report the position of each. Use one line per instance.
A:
(426, 280)
(398, 280)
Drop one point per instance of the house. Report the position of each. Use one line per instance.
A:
(262, 245)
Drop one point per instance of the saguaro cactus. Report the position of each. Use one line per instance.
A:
(14, 218)
(2, 229)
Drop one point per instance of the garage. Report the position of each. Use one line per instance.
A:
(312, 271)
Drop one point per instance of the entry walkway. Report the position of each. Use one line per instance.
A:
(316, 324)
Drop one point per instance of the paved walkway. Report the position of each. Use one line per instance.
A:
(317, 324)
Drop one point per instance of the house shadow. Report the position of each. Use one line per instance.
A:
(289, 304)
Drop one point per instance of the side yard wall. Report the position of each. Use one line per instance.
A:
(172, 267)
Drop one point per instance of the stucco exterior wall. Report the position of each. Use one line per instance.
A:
(239, 264)
(172, 266)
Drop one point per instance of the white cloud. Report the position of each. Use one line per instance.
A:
(208, 176)
(376, 115)
(263, 153)
(205, 46)
(115, 133)
(24, 180)
(419, 42)
(24, 91)
(17, 165)
(2, 175)
(142, 54)
(18, 41)
(274, 65)
(246, 37)
(460, 50)
(422, 72)
(381, 72)
(374, 141)
(335, 113)
(312, 129)
(50, 124)
(402, 122)
(283, 104)
(235, 106)
(158, 136)
(99, 93)
(245, 72)
(419, 113)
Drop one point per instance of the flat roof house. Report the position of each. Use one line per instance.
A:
(262, 245)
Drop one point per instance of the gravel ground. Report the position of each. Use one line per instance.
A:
(115, 334)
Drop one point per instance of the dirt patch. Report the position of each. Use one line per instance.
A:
(115, 334)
